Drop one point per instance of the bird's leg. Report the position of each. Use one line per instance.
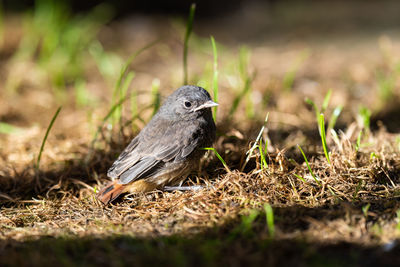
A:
(183, 188)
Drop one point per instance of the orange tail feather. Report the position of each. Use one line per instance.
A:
(110, 192)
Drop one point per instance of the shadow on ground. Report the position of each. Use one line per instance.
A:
(232, 244)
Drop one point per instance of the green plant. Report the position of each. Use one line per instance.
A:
(365, 115)
(321, 124)
(246, 79)
(254, 146)
(263, 153)
(269, 217)
(57, 41)
(45, 137)
(308, 166)
(219, 157)
(247, 222)
(386, 85)
(124, 80)
(300, 177)
(83, 98)
(335, 114)
(324, 106)
(398, 219)
(215, 76)
(365, 209)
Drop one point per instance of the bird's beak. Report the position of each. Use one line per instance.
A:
(208, 104)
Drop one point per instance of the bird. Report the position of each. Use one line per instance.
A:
(167, 149)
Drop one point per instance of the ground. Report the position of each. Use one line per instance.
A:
(269, 205)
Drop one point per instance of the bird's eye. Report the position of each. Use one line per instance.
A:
(188, 104)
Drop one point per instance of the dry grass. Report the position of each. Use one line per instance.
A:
(350, 217)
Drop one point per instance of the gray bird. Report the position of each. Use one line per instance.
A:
(168, 148)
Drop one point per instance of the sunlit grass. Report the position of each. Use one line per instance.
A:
(321, 126)
(57, 41)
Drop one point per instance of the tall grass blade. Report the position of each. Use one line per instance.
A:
(321, 123)
(45, 136)
(250, 152)
(326, 101)
(365, 114)
(100, 127)
(316, 109)
(219, 157)
(122, 94)
(263, 152)
(334, 117)
(189, 27)
(125, 67)
(308, 166)
(239, 98)
(215, 76)
(358, 142)
(398, 219)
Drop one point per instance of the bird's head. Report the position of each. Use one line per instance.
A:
(188, 101)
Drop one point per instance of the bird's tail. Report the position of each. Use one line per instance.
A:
(110, 192)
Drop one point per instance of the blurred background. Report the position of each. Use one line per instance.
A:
(272, 55)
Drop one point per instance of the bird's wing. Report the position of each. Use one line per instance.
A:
(149, 161)
(125, 160)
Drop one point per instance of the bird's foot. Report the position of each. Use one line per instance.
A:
(183, 188)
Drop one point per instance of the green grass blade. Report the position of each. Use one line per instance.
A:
(125, 67)
(365, 209)
(321, 124)
(189, 27)
(358, 142)
(398, 219)
(215, 76)
(269, 216)
(46, 135)
(301, 178)
(264, 163)
(239, 98)
(122, 94)
(326, 101)
(365, 114)
(250, 152)
(109, 114)
(316, 109)
(219, 157)
(308, 166)
(334, 117)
